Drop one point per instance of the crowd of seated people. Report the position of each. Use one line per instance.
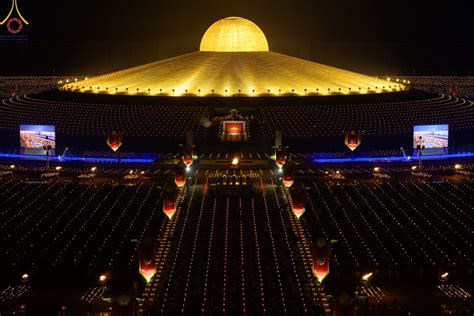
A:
(76, 228)
(88, 153)
(15, 86)
(460, 85)
(391, 118)
(70, 118)
(397, 227)
(244, 253)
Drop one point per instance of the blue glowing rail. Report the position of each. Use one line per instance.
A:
(392, 159)
(80, 159)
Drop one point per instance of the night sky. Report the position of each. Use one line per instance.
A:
(90, 37)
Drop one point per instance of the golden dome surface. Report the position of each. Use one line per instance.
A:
(234, 60)
(234, 34)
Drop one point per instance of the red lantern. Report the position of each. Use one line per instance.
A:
(352, 139)
(280, 156)
(114, 140)
(170, 197)
(180, 176)
(146, 258)
(288, 178)
(321, 254)
(188, 152)
(297, 197)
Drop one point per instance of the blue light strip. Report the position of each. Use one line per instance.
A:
(79, 159)
(393, 158)
(397, 159)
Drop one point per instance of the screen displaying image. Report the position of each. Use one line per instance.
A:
(430, 139)
(38, 139)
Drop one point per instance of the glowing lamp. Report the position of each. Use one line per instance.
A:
(320, 255)
(376, 169)
(280, 162)
(188, 160)
(235, 161)
(366, 277)
(102, 279)
(25, 277)
(58, 168)
(147, 273)
(146, 259)
(298, 210)
(188, 152)
(288, 181)
(457, 166)
(169, 208)
(321, 271)
(180, 181)
(114, 140)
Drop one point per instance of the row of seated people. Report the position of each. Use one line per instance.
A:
(88, 153)
(383, 118)
(459, 85)
(394, 227)
(87, 229)
(369, 153)
(27, 84)
(374, 119)
(231, 254)
(170, 121)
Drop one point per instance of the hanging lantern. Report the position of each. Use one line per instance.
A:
(352, 139)
(170, 198)
(180, 176)
(114, 140)
(321, 254)
(280, 156)
(146, 258)
(297, 197)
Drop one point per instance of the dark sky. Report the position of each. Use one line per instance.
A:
(376, 37)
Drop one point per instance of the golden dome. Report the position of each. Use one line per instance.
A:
(234, 34)
(234, 60)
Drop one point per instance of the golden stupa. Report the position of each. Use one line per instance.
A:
(234, 60)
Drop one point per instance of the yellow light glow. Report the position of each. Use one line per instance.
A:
(234, 61)
(102, 279)
(234, 34)
(93, 169)
(376, 169)
(457, 166)
(58, 168)
(413, 168)
(12, 166)
(367, 276)
(444, 275)
(235, 161)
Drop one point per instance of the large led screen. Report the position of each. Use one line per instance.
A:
(38, 139)
(430, 139)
